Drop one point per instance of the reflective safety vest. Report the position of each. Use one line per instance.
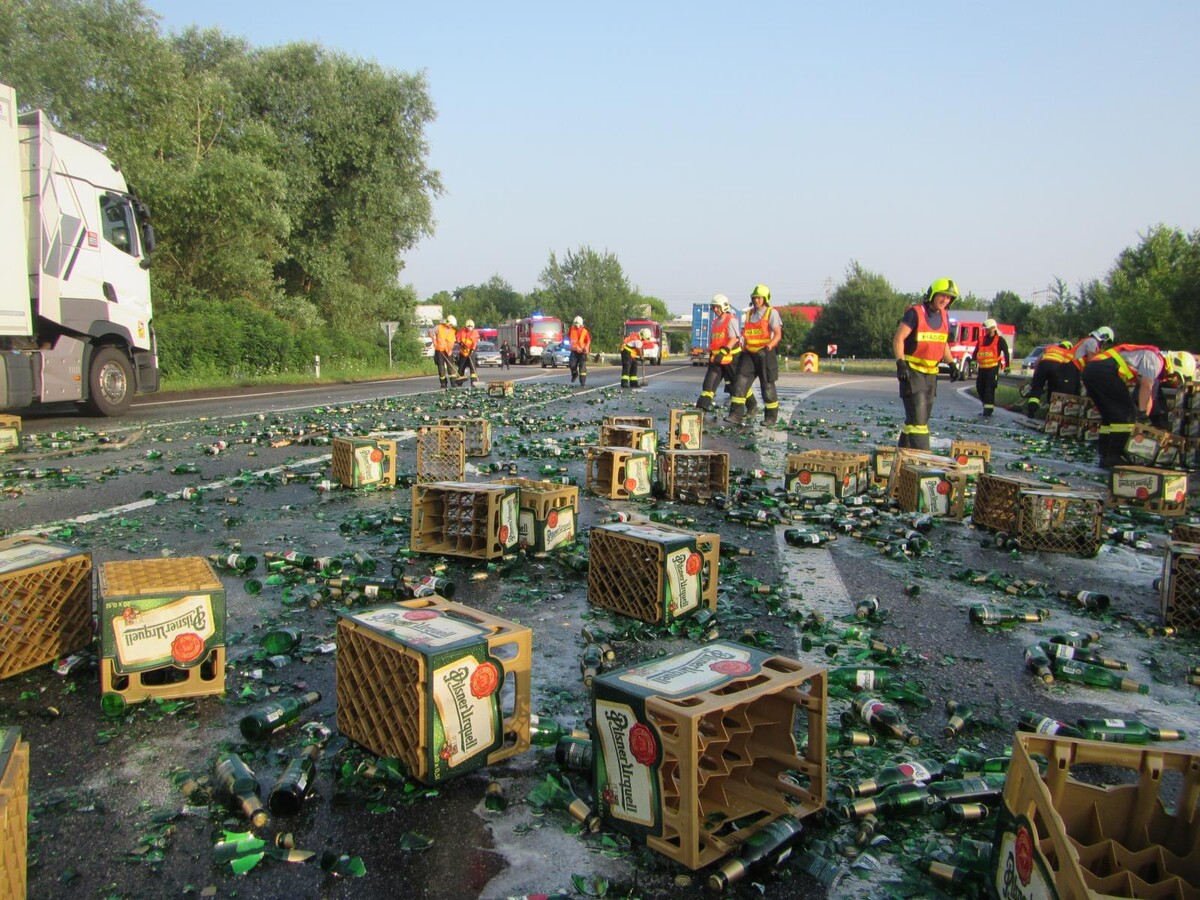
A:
(580, 338)
(931, 342)
(721, 345)
(987, 353)
(757, 334)
(632, 345)
(468, 339)
(443, 338)
(1079, 361)
(1059, 354)
(1123, 368)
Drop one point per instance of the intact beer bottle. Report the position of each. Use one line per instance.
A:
(990, 614)
(1127, 731)
(1079, 654)
(574, 753)
(1038, 662)
(860, 679)
(288, 793)
(895, 800)
(259, 726)
(1082, 673)
(1036, 723)
(544, 731)
(764, 849)
(281, 640)
(981, 789)
(234, 777)
(883, 718)
(919, 771)
(591, 663)
(234, 562)
(1089, 600)
(960, 716)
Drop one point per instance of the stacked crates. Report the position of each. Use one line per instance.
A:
(835, 473)
(619, 473)
(14, 811)
(1158, 491)
(441, 453)
(1068, 834)
(10, 432)
(1071, 417)
(686, 431)
(1060, 521)
(700, 472)
(906, 456)
(364, 462)
(45, 603)
(697, 752)
(936, 492)
(547, 512)
(441, 687)
(1179, 586)
(1155, 447)
(1183, 416)
(464, 519)
(651, 572)
(162, 629)
(973, 457)
(477, 434)
(501, 388)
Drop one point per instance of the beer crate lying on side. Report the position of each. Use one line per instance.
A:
(996, 500)
(1179, 586)
(644, 422)
(441, 453)
(1155, 447)
(881, 464)
(364, 462)
(697, 752)
(701, 472)
(455, 518)
(477, 434)
(973, 457)
(834, 472)
(686, 430)
(162, 629)
(935, 491)
(1158, 491)
(652, 572)
(14, 811)
(906, 456)
(619, 473)
(10, 432)
(1059, 521)
(45, 603)
(440, 686)
(631, 436)
(1052, 423)
(547, 512)
(1186, 532)
(501, 388)
(1106, 820)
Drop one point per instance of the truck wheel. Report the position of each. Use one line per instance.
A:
(110, 383)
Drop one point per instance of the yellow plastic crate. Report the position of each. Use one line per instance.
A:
(631, 436)
(619, 473)
(1060, 521)
(364, 462)
(477, 434)
(833, 472)
(548, 512)
(501, 388)
(686, 429)
(1155, 447)
(652, 572)
(10, 432)
(1179, 586)
(701, 472)
(936, 491)
(973, 457)
(441, 453)
(14, 812)
(1160, 491)
(464, 519)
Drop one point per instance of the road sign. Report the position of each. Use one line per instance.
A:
(389, 328)
(831, 349)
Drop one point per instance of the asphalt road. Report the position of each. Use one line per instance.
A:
(106, 819)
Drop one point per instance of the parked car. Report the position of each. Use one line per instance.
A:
(487, 354)
(556, 355)
(1031, 361)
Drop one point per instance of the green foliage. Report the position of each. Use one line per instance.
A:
(1153, 289)
(490, 303)
(861, 317)
(593, 285)
(795, 331)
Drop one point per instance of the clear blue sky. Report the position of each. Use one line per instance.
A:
(710, 146)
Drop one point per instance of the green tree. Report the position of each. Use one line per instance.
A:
(1152, 289)
(490, 303)
(795, 331)
(593, 285)
(861, 316)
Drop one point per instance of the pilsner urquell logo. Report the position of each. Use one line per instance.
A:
(630, 746)
(481, 683)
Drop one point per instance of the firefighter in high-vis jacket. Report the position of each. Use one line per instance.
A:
(1061, 367)
(468, 340)
(633, 348)
(580, 341)
(991, 355)
(920, 344)
(1122, 381)
(762, 330)
(724, 345)
(443, 336)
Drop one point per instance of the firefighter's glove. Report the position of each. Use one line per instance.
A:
(902, 369)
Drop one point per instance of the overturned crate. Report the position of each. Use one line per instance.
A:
(1179, 586)
(652, 572)
(547, 512)
(162, 629)
(364, 462)
(619, 473)
(441, 687)
(10, 432)
(1106, 820)
(1186, 532)
(1158, 491)
(836, 473)
(454, 518)
(477, 434)
(501, 388)
(938, 491)
(698, 752)
(882, 458)
(45, 603)
(646, 423)
(973, 457)
(699, 473)
(441, 453)
(1059, 522)
(906, 456)
(14, 811)
(1154, 447)
(686, 431)
(632, 436)
(1070, 405)
(996, 501)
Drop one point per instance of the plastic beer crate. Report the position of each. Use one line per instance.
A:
(1106, 820)
(1060, 521)
(1155, 447)
(440, 686)
(1052, 424)
(881, 463)
(940, 491)
(644, 422)
(441, 453)
(834, 472)
(162, 628)
(456, 518)
(697, 752)
(45, 603)
(703, 472)
(652, 572)
(10, 432)
(906, 456)
(501, 388)
(619, 473)
(1179, 586)
(364, 462)
(973, 457)
(14, 811)
(632, 436)
(477, 434)
(1156, 490)
(547, 512)
(996, 500)
(1071, 405)
(1186, 532)
(686, 429)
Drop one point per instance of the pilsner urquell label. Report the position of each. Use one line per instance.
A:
(466, 698)
(933, 493)
(368, 465)
(807, 481)
(148, 632)
(510, 531)
(637, 476)
(629, 752)
(690, 429)
(25, 556)
(557, 529)
(694, 671)
(1020, 871)
(420, 627)
(684, 567)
